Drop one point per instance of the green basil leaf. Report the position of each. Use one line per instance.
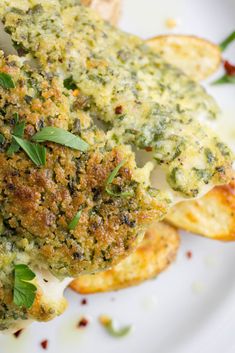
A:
(35, 152)
(73, 224)
(62, 137)
(18, 132)
(225, 79)
(24, 292)
(108, 324)
(2, 139)
(6, 81)
(111, 178)
(227, 41)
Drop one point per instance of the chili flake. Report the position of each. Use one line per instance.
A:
(84, 301)
(44, 344)
(83, 322)
(229, 68)
(189, 254)
(118, 109)
(18, 333)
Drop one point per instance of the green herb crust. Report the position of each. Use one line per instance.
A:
(39, 200)
(143, 100)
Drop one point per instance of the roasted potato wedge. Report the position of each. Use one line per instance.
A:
(212, 216)
(157, 251)
(109, 10)
(197, 57)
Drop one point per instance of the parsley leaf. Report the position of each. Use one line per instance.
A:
(111, 178)
(35, 152)
(224, 79)
(24, 292)
(72, 225)
(62, 137)
(18, 132)
(108, 324)
(227, 41)
(6, 81)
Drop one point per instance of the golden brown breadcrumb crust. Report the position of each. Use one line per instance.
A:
(38, 203)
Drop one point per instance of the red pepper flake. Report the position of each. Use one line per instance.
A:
(83, 322)
(44, 344)
(118, 109)
(229, 68)
(18, 333)
(189, 254)
(148, 149)
(84, 301)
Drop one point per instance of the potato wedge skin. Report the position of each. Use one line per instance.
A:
(197, 57)
(157, 251)
(212, 216)
(109, 10)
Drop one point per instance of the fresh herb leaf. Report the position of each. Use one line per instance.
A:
(18, 132)
(6, 81)
(35, 152)
(69, 83)
(111, 178)
(115, 172)
(2, 139)
(62, 137)
(224, 80)
(24, 292)
(72, 225)
(227, 41)
(108, 324)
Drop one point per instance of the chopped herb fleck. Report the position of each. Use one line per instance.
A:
(6, 81)
(2, 139)
(109, 326)
(111, 178)
(72, 225)
(16, 117)
(69, 83)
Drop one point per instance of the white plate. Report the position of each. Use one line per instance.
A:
(191, 307)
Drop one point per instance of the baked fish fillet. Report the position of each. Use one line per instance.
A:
(142, 100)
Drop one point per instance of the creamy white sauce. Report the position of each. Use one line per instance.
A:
(225, 127)
(157, 177)
(52, 288)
